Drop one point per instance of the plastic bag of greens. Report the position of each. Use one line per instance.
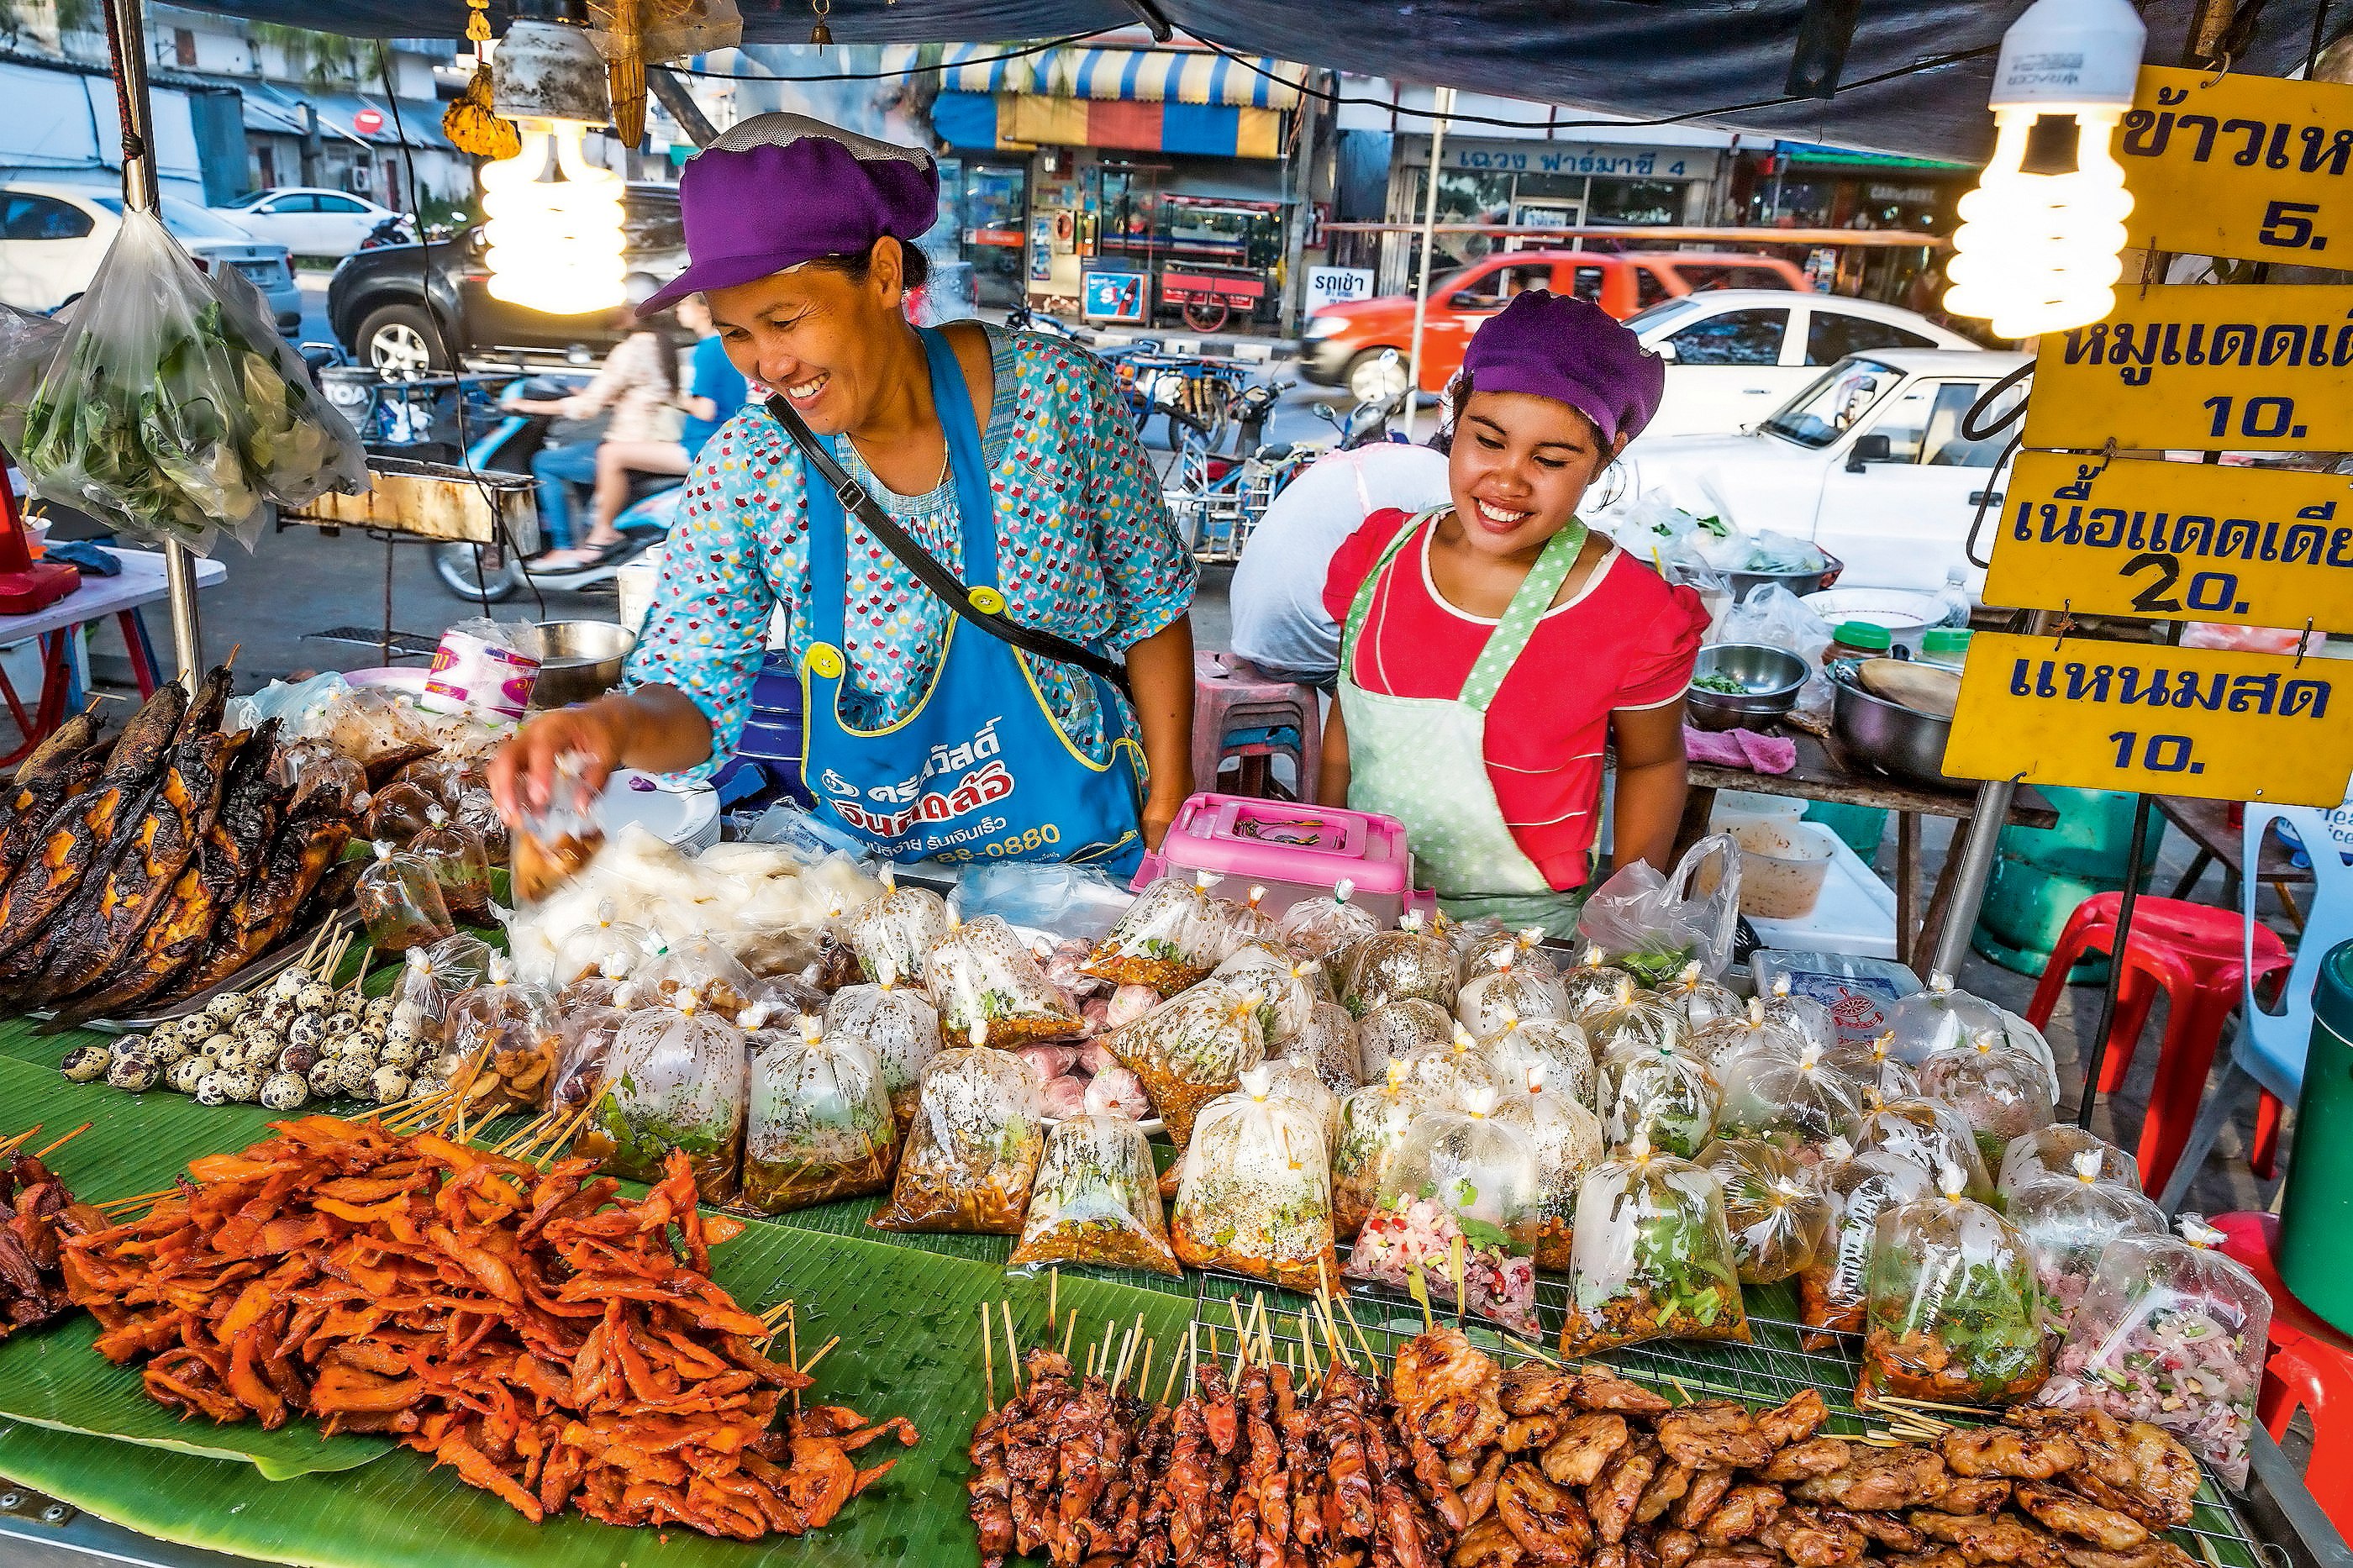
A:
(900, 1027)
(1632, 1018)
(2067, 1220)
(1447, 1074)
(896, 932)
(674, 1079)
(1476, 943)
(1779, 1223)
(1321, 927)
(1951, 1313)
(1328, 1046)
(1653, 1258)
(1747, 1032)
(1459, 1209)
(1929, 1134)
(1254, 1191)
(1394, 964)
(1566, 1137)
(1810, 1018)
(2171, 1333)
(1170, 938)
(2050, 1151)
(1701, 1001)
(1873, 1065)
(1660, 1095)
(1399, 1031)
(1096, 1200)
(990, 989)
(1795, 1106)
(1373, 1122)
(1560, 1048)
(1190, 1051)
(1655, 925)
(1594, 982)
(1859, 1186)
(594, 948)
(1503, 992)
(1287, 988)
(1999, 1092)
(818, 1125)
(969, 1162)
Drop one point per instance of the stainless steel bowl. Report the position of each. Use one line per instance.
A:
(1770, 678)
(1799, 582)
(1900, 742)
(579, 659)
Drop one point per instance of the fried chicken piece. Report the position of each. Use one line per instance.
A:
(1816, 1538)
(2164, 1474)
(1713, 1434)
(1979, 1494)
(1533, 1388)
(1876, 1480)
(1985, 1538)
(2067, 1514)
(2001, 1451)
(1586, 1443)
(1445, 1390)
(1536, 1431)
(1887, 1529)
(1486, 1545)
(1932, 1557)
(2155, 1553)
(1601, 1390)
(1793, 1420)
(1676, 1548)
(1707, 1490)
(1666, 1489)
(1547, 1520)
(1718, 1557)
(1746, 1510)
(1611, 1498)
(1479, 1492)
(1800, 1462)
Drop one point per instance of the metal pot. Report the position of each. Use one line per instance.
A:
(1771, 677)
(1901, 742)
(1799, 582)
(579, 659)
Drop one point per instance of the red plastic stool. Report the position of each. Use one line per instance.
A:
(2194, 954)
(1231, 694)
(2310, 1366)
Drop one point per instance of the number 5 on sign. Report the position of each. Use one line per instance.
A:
(2167, 720)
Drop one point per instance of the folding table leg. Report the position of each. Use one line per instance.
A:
(142, 652)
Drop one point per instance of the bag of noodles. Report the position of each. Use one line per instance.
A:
(1779, 1223)
(1567, 1139)
(969, 1162)
(1254, 1191)
(1096, 1200)
(1460, 1209)
(819, 1121)
(1653, 1258)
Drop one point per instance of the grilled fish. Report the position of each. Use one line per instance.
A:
(81, 831)
(305, 850)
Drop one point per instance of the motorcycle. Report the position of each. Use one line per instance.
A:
(398, 229)
(1368, 423)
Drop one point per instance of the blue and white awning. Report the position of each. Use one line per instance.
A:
(1137, 76)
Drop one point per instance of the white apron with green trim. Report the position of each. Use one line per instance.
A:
(1423, 760)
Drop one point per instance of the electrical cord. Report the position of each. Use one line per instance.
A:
(1970, 430)
(1985, 500)
(1022, 53)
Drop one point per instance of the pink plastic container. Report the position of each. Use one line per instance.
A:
(1296, 852)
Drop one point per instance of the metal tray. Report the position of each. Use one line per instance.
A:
(265, 967)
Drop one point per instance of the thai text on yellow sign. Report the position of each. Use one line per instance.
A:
(2249, 368)
(2262, 547)
(2166, 720)
(2250, 167)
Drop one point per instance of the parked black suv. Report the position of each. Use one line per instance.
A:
(385, 304)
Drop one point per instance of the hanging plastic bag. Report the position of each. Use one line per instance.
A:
(400, 904)
(1951, 1312)
(895, 932)
(2173, 1333)
(1254, 1191)
(1929, 1134)
(1701, 1001)
(1328, 1046)
(2067, 1220)
(1096, 1200)
(900, 1027)
(2050, 1151)
(817, 1119)
(554, 843)
(1170, 938)
(989, 988)
(1391, 965)
(1635, 1020)
(1859, 1186)
(1658, 1095)
(1566, 1138)
(459, 863)
(1779, 1223)
(1503, 992)
(1655, 925)
(1459, 1210)
(1321, 927)
(969, 1163)
(674, 1079)
(1594, 982)
(1400, 1030)
(1652, 1257)
(1560, 1048)
(1373, 1122)
(1191, 1049)
(597, 948)
(1287, 989)
(1999, 1092)
(1795, 1106)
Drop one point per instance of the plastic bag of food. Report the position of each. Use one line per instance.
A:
(1632, 1018)
(1652, 1257)
(1191, 1049)
(989, 988)
(1566, 1137)
(1859, 1186)
(1391, 965)
(457, 860)
(502, 1043)
(1328, 1046)
(1655, 925)
(1296, 1082)
(478, 812)
(674, 1079)
(1170, 938)
(1254, 1191)
(2173, 1333)
(900, 1027)
(1399, 1031)
(1779, 1223)
(399, 900)
(1998, 1090)
(1951, 1313)
(598, 947)
(1873, 1065)
(1476, 942)
(2024, 1036)
(1373, 1122)
(1795, 1106)
(817, 1119)
(1321, 927)
(1503, 992)
(1929, 1134)
(1096, 1200)
(397, 811)
(584, 1038)
(1560, 1048)
(551, 845)
(1447, 1074)
(1287, 988)
(420, 1003)
(2050, 1151)
(1701, 1001)
(969, 1162)
(1459, 1210)
(1810, 1018)
(2066, 1221)
(1659, 1094)
(1939, 1018)
(1245, 923)
(1747, 1032)
(704, 967)
(1593, 981)
(895, 932)
(318, 780)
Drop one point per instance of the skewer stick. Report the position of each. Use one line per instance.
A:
(1091, 1361)
(1258, 1325)
(1454, 1267)
(988, 1356)
(1071, 1328)
(133, 1201)
(1332, 1337)
(1012, 1357)
(1119, 1368)
(10, 1145)
(1102, 1356)
(1903, 1403)
(1307, 1346)
(820, 1355)
(1143, 1372)
(1054, 1295)
(1371, 1361)
(1192, 1356)
(793, 1345)
(1241, 1335)
(46, 1150)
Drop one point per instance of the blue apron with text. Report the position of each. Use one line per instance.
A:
(979, 770)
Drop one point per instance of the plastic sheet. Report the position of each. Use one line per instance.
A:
(1096, 1200)
(1254, 1192)
(1779, 1222)
(1459, 1209)
(817, 1119)
(978, 1136)
(1652, 1257)
(1951, 1312)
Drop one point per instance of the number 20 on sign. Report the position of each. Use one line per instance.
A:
(2206, 722)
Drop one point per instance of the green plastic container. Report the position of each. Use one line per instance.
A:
(2041, 874)
(2315, 1239)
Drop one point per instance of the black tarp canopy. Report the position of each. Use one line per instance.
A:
(1642, 59)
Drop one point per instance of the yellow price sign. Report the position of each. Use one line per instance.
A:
(2261, 547)
(2165, 721)
(2240, 165)
(2251, 368)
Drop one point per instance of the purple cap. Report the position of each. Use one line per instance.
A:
(776, 190)
(1572, 352)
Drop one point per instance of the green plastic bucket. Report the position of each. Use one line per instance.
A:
(1860, 826)
(2041, 874)
(2316, 1240)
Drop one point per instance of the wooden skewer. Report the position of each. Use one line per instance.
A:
(1332, 1335)
(1903, 1403)
(1532, 1348)
(1054, 1296)
(988, 1356)
(1068, 1332)
(134, 1202)
(793, 1345)
(1258, 1325)
(1371, 1361)
(1102, 1357)
(1091, 1361)
(1143, 1372)
(1213, 1345)
(1307, 1345)
(10, 1145)
(45, 1152)
(1168, 1389)
(819, 1356)
(1241, 1336)
(1013, 1357)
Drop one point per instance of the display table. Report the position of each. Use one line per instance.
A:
(63, 673)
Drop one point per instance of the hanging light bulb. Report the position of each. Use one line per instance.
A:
(2038, 247)
(554, 227)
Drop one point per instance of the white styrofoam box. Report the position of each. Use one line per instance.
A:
(1855, 914)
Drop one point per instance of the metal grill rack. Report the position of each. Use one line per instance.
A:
(1782, 1358)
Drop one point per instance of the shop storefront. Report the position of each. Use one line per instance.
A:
(1797, 185)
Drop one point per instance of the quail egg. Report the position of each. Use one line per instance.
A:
(378, 1010)
(325, 1075)
(370, 1037)
(401, 1053)
(316, 997)
(229, 1006)
(387, 1085)
(185, 1074)
(277, 1010)
(308, 1030)
(241, 1084)
(169, 1052)
(217, 1047)
(178, 1029)
(134, 1071)
(260, 1055)
(299, 1058)
(341, 1046)
(428, 1083)
(342, 1023)
(353, 1074)
(285, 1091)
(290, 983)
(87, 1064)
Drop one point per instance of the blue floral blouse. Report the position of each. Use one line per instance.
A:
(1085, 549)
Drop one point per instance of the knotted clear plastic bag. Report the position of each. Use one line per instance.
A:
(420, 1004)
(895, 932)
(989, 988)
(595, 948)
(817, 1119)
(459, 862)
(1658, 1094)
(1779, 1222)
(1477, 943)
(900, 1026)
(1929, 1134)
(1810, 1018)
(1652, 1257)
(1746, 1032)
(1287, 988)
(1943, 1019)
(1560, 1048)
(1873, 1065)
(2050, 1151)
(1566, 1137)
(969, 1162)
(1243, 922)
(1373, 1122)
(1168, 939)
(1254, 1191)
(1951, 1313)
(705, 967)
(674, 1079)
(1096, 1200)
(553, 844)
(1701, 1001)
(1399, 1031)
(1391, 965)
(1321, 927)
(1998, 1090)
(1795, 1106)
(1447, 1074)
(1503, 991)
(2067, 1220)
(1328, 1046)
(1859, 1186)
(400, 903)
(1191, 1049)
(585, 1039)
(1632, 1018)
(2173, 1333)
(1459, 1208)
(1593, 983)
(1294, 1080)
(502, 1043)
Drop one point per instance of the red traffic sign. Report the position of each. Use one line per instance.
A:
(368, 120)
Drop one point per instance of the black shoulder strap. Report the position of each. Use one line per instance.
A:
(926, 567)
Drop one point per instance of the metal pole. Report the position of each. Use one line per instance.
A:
(126, 41)
(1977, 851)
(1428, 243)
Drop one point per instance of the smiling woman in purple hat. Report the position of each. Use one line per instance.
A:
(969, 552)
(1490, 647)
